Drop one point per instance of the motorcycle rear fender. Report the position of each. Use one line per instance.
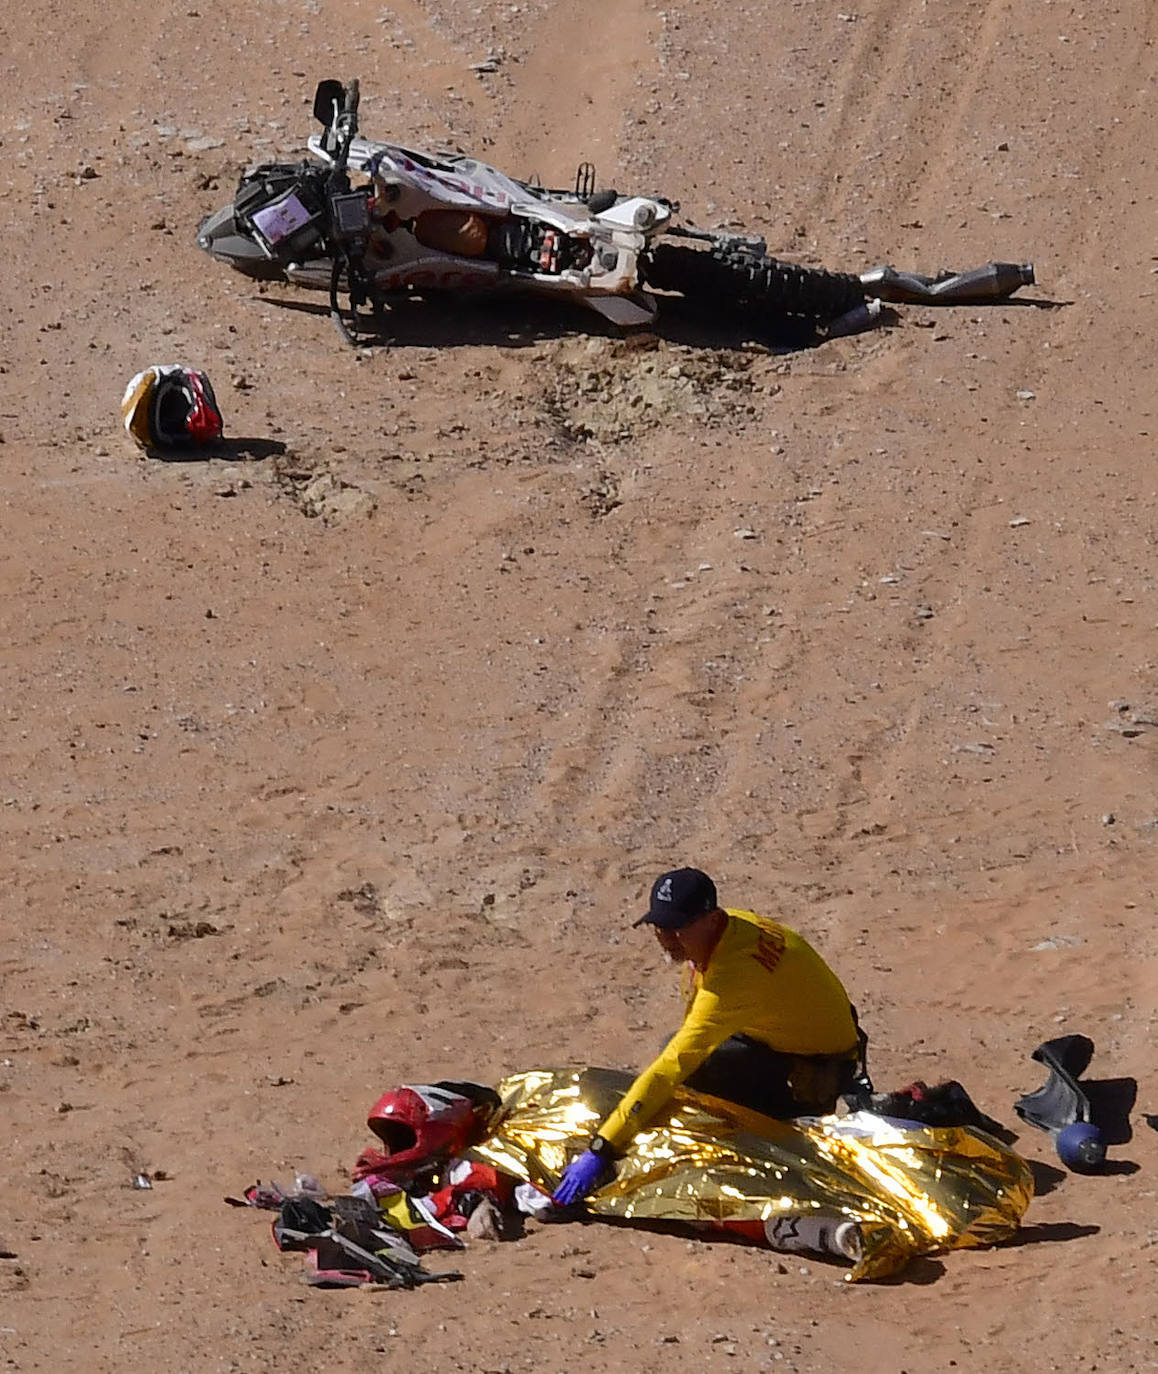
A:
(637, 309)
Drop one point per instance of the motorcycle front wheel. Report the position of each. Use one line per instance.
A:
(361, 320)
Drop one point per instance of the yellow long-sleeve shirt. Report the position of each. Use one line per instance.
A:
(762, 980)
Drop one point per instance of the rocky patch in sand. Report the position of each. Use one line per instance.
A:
(320, 493)
(610, 390)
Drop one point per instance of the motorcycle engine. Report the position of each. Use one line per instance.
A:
(526, 246)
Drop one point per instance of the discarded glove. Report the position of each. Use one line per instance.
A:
(579, 1178)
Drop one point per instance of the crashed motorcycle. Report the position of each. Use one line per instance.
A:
(372, 223)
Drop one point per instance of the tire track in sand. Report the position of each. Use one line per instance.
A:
(864, 77)
(571, 108)
(963, 96)
(631, 757)
(599, 742)
(906, 70)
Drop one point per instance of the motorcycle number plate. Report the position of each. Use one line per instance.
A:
(281, 219)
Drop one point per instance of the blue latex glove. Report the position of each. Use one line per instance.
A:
(579, 1178)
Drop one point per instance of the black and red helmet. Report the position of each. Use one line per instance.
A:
(168, 406)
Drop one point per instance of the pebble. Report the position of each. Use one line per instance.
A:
(232, 481)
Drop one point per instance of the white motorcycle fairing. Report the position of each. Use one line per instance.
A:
(409, 183)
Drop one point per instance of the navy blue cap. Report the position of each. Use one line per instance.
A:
(678, 898)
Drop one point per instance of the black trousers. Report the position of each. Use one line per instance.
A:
(749, 1073)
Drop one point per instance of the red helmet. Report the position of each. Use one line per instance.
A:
(424, 1125)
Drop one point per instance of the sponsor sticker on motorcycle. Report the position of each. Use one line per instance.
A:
(278, 221)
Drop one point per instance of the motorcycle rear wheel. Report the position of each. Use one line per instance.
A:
(742, 278)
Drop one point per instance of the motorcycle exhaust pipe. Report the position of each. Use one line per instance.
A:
(994, 281)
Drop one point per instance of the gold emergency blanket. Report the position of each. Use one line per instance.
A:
(910, 1189)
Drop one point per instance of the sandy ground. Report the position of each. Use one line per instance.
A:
(345, 760)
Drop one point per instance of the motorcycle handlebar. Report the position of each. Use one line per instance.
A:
(345, 130)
